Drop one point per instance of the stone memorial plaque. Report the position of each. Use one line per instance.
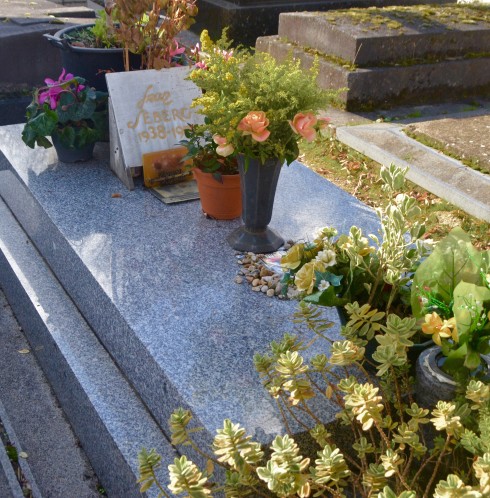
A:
(149, 111)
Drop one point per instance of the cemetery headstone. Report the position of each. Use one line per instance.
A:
(148, 112)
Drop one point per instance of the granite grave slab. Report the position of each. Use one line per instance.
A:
(106, 414)
(156, 282)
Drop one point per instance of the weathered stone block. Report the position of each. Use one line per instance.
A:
(396, 34)
(390, 86)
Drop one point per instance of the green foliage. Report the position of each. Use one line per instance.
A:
(104, 37)
(453, 260)
(201, 149)
(149, 463)
(453, 283)
(186, 478)
(389, 443)
(335, 271)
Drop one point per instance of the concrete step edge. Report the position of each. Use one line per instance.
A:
(418, 173)
(6, 466)
(106, 414)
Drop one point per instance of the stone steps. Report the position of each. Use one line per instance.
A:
(155, 284)
(399, 57)
(106, 414)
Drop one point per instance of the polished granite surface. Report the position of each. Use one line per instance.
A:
(156, 281)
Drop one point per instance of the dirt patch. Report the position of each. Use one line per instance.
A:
(465, 138)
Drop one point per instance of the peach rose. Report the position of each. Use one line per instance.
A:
(304, 125)
(224, 148)
(255, 124)
(323, 123)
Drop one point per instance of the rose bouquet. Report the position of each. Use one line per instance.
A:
(254, 105)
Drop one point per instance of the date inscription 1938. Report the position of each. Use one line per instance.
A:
(161, 123)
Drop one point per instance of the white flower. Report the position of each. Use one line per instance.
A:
(327, 257)
(324, 285)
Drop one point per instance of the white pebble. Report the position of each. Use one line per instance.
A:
(270, 292)
(256, 282)
(264, 288)
(238, 280)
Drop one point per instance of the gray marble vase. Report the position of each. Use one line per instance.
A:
(258, 182)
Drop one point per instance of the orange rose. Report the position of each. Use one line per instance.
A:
(304, 125)
(255, 124)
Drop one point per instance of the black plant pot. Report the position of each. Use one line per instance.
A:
(92, 64)
(258, 182)
(67, 155)
(433, 384)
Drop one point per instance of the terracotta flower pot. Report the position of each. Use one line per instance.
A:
(219, 200)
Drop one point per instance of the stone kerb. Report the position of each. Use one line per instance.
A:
(364, 44)
(156, 282)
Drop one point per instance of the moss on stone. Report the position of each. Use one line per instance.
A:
(424, 17)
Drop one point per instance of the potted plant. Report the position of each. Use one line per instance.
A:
(451, 289)
(71, 113)
(130, 34)
(216, 174)
(376, 274)
(258, 109)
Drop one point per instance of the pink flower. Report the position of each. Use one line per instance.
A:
(304, 125)
(177, 50)
(255, 124)
(226, 55)
(224, 149)
(62, 79)
(201, 65)
(55, 88)
(196, 49)
(323, 123)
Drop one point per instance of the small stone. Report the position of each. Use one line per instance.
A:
(238, 280)
(256, 289)
(246, 261)
(265, 272)
(256, 282)
(240, 261)
(267, 279)
(254, 258)
(249, 278)
(264, 288)
(270, 292)
(278, 287)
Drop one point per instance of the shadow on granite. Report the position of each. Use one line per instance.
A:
(156, 281)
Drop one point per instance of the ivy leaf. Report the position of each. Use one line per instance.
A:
(326, 298)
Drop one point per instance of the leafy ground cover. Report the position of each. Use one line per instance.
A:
(359, 175)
